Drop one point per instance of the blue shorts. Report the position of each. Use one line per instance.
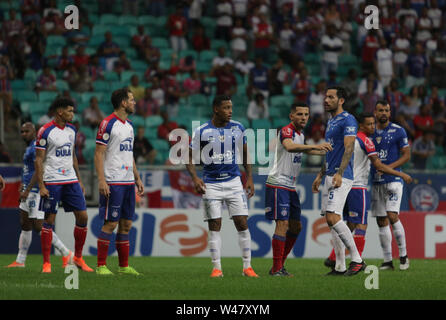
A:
(120, 204)
(281, 204)
(70, 194)
(357, 206)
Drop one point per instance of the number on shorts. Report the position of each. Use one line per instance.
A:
(393, 197)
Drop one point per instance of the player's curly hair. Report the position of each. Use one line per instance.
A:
(118, 96)
(219, 99)
(61, 102)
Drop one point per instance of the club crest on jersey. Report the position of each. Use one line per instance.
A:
(106, 136)
(221, 138)
(42, 142)
(126, 145)
(64, 150)
(284, 212)
(378, 139)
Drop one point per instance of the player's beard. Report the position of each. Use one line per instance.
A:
(383, 119)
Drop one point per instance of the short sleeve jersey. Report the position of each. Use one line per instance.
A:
(364, 148)
(118, 136)
(58, 142)
(28, 164)
(388, 143)
(220, 149)
(342, 125)
(286, 165)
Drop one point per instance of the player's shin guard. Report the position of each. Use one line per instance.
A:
(359, 238)
(385, 238)
(103, 244)
(46, 237)
(289, 244)
(80, 234)
(278, 244)
(339, 250)
(244, 240)
(400, 237)
(123, 247)
(346, 237)
(24, 243)
(214, 242)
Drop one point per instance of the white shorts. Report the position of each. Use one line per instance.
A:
(386, 198)
(333, 199)
(31, 206)
(230, 193)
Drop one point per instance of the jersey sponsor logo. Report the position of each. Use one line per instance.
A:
(391, 130)
(383, 154)
(297, 158)
(424, 198)
(126, 145)
(369, 143)
(64, 150)
(350, 129)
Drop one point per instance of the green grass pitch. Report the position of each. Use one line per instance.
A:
(188, 279)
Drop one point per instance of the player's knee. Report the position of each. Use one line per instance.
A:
(124, 226)
(241, 223)
(393, 217)
(382, 221)
(332, 218)
(295, 226)
(214, 224)
(281, 227)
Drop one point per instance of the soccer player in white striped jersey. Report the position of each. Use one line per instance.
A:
(281, 199)
(358, 199)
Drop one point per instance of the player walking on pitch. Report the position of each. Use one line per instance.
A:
(220, 142)
(281, 198)
(117, 175)
(358, 201)
(30, 215)
(341, 133)
(393, 149)
(59, 180)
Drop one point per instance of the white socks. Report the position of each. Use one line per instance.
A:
(400, 237)
(339, 249)
(244, 240)
(385, 238)
(58, 244)
(346, 237)
(24, 243)
(214, 242)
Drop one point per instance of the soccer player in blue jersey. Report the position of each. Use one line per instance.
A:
(30, 215)
(341, 133)
(117, 177)
(221, 144)
(387, 190)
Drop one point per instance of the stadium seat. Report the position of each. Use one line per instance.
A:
(88, 131)
(99, 30)
(122, 41)
(216, 44)
(146, 20)
(153, 121)
(119, 30)
(25, 95)
(160, 43)
(160, 145)
(62, 85)
(138, 121)
(55, 41)
(20, 85)
(96, 40)
(311, 58)
(281, 101)
(30, 75)
(140, 66)
(207, 55)
(47, 96)
(131, 54)
(128, 20)
(88, 151)
(101, 85)
(108, 18)
(348, 59)
(280, 122)
(111, 76)
(86, 96)
(260, 124)
(35, 116)
(198, 100)
(244, 121)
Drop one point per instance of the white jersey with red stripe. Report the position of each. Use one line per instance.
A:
(58, 142)
(118, 136)
(364, 148)
(286, 165)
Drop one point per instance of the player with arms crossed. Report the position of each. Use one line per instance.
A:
(30, 215)
(358, 200)
(393, 149)
(341, 133)
(281, 199)
(117, 175)
(222, 141)
(59, 180)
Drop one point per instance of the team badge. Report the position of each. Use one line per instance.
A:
(106, 136)
(221, 138)
(42, 142)
(378, 139)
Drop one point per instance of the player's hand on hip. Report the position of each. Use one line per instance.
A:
(82, 187)
(104, 189)
(250, 188)
(326, 146)
(199, 185)
(337, 181)
(23, 196)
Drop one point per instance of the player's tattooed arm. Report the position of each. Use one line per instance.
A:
(319, 149)
(349, 146)
(405, 157)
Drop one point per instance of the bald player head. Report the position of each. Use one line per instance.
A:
(28, 132)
